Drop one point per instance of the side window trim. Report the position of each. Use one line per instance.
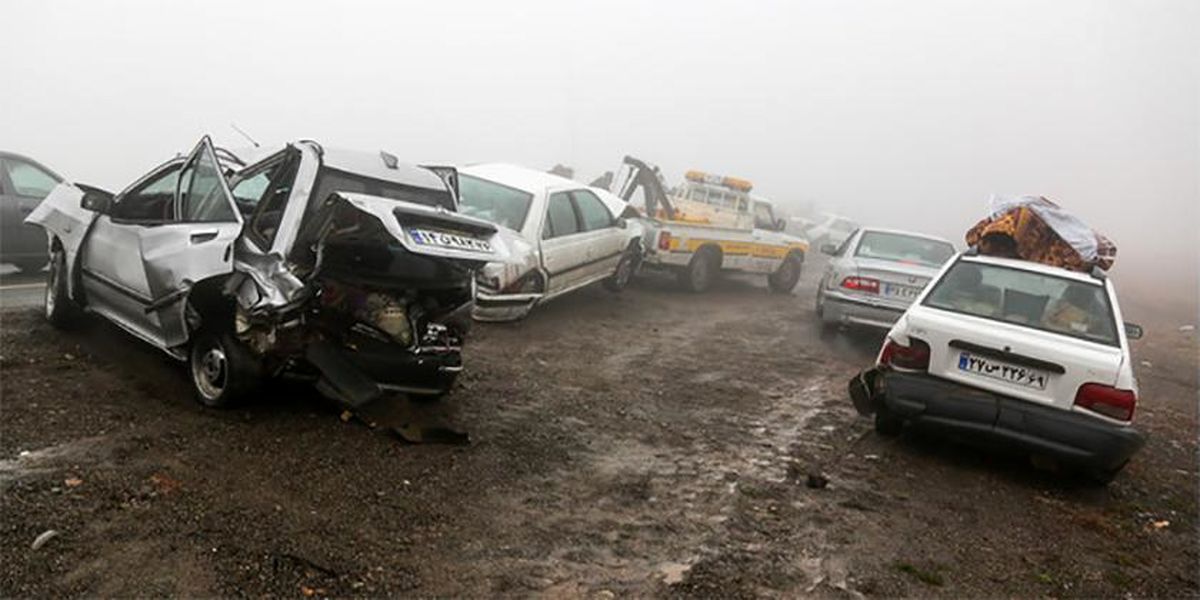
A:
(851, 240)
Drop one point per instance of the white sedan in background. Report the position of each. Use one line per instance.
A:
(574, 235)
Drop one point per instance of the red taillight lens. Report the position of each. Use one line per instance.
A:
(664, 240)
(861, 284)
(914, 356)
(1107, 400)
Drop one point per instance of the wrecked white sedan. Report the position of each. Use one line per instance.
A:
(350, 269)
(571, 235)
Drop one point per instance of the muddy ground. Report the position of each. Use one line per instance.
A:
(653, 443)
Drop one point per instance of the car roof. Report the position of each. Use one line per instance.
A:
(908, 233)
(1036, 267)
(522, 178)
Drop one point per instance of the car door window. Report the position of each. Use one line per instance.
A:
(266, 192)
(29, 180)
(152, 200)
(560, 217)
(763, 218)
(841, 251)
(202, 197)
(593, 212)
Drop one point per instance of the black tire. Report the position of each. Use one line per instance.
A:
(223, 372)
(888, 424)
(698, 276)
(624, 271)
(785, 278)
(60, 310)
(30, 265)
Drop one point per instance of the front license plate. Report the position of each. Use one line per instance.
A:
(987, 367)
(896, 290)
(441, 239)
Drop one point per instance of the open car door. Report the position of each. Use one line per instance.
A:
(174, 228)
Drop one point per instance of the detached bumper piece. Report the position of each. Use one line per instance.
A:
(355, 376)
(932, 403)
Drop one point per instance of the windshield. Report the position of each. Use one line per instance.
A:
(333, 180)
(1056, 304)
(904, 248)
(493, 202)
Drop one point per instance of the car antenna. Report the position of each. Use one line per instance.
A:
(244, 134)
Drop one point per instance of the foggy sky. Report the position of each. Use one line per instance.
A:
(906, 114)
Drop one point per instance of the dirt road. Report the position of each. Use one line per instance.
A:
(652, 443)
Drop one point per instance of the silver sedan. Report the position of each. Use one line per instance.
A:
(876, 274)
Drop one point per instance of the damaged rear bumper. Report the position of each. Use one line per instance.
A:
(929, 402)
(503, 307)
(356, 375)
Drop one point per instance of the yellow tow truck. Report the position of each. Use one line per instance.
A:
(709, 224)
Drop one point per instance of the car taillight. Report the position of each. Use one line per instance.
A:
(664, 240)
(914, 357)
(1106, 400)
(861, 284)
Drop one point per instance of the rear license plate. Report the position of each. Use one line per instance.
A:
(441, 239)
(896, 290)
(987, 367)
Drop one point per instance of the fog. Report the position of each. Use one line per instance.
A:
(905, 114)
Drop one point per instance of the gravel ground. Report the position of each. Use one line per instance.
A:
(648, 443)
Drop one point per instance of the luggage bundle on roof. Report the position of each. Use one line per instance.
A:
(1035, 229)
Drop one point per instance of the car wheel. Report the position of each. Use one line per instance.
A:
(30, 265)
(223, 371)
(624, 271)
(785, 278)
(60, 310)
(888, 424)
(698, 275)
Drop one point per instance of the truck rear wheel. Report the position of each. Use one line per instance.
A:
(698, 275)
(785, 278)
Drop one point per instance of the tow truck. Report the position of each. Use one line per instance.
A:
(709, 224)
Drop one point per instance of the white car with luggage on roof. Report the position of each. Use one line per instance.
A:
(1026, 354)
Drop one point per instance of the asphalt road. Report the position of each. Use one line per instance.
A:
(19, 289)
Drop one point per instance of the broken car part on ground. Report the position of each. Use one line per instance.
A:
(349, 269)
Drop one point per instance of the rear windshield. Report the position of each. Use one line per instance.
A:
(332, 180)
(493, 202)
(1056, 304)
(904, 248)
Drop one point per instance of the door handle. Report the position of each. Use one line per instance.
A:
(203, 236)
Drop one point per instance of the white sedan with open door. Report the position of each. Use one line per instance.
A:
(347, 268)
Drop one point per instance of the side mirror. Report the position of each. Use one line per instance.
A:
(1133, 331)
(96, 201)
(829, 249)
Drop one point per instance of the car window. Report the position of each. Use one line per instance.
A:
(202, 195)
(266, 192)
(904, 249)
(153, 200)
(560, 217)
(493, 202)
(763, 218)
(28, 179)
(1046, 302)
(593, 212)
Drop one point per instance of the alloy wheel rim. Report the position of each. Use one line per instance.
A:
(210, 372)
